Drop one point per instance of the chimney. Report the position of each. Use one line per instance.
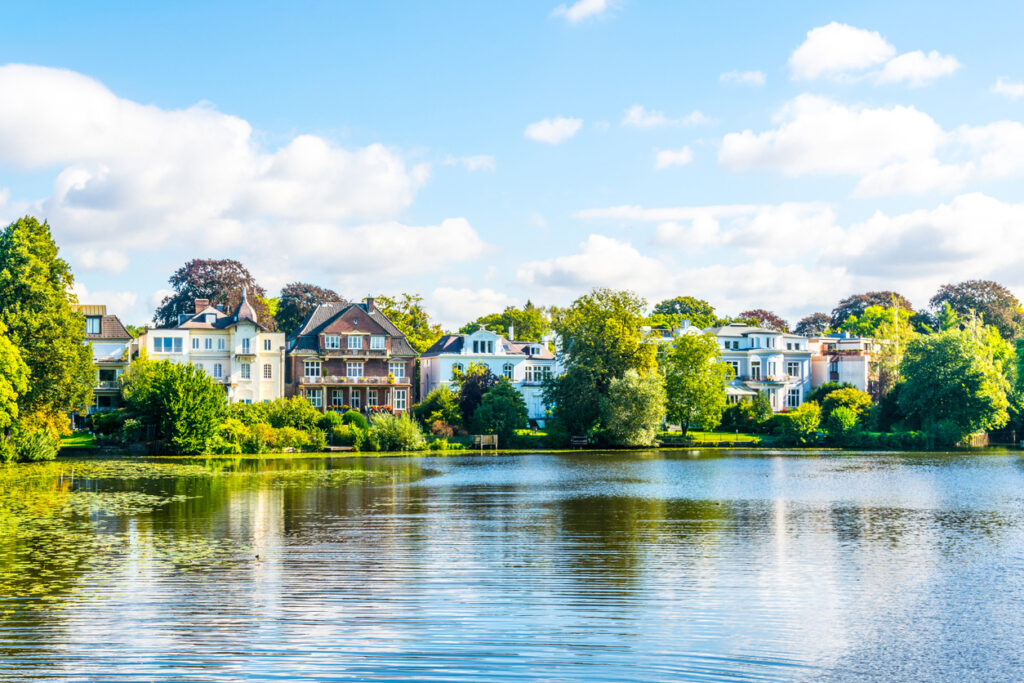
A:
(511, 333)
(220, 307)
(201, 304)
(369, 304)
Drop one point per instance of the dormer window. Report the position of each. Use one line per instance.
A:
(332, 341)
(92, 325)
(211, 318)
(483, 346)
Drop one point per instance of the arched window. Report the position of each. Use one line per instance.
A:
(456, 368)
(507, 370)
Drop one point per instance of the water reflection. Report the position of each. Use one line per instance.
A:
(617, 566)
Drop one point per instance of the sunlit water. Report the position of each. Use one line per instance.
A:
(639, 566)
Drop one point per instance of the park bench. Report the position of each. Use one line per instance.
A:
(578, 441)
(482, 441)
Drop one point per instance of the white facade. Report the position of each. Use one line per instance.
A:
(842, 359)
(525, 364)
(776, 363)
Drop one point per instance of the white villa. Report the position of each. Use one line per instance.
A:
(525, 364)
(776, 363)
(233, 348)
(842, 358)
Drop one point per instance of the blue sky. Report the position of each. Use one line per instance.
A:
(483, 153)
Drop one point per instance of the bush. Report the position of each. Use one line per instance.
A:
(840, 424)
(317, 441)
(290, 437)
(250, 413)
(855, 400)
(800, 425)
(356, 419)
(397, 433)
(441, 404)
(345, 435)
(442, 429)
(109, 423)
(365, 440)
(329, 420)
(130, 432)
(294, 412)
(445, 445)
(633, 409)
(35, 446)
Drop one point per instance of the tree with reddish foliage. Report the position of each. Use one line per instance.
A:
(996, 304)
(814, 325)
(297, 300)
(219, 280)
(766, 319)
(856, 304)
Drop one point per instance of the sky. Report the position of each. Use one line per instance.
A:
(757, 155)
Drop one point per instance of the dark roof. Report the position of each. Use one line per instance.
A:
(321, 316)
(449, 343)
(110, 328)
(245, 311)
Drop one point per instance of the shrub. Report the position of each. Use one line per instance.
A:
(35, 445)
(290, 437)
(317, 441)
(438, 445)
(108, 423)
(250, 413)
(343, 435)
(841, 423)
(441, 404)
(397, 433)
(295, 412)
(800, 425)
(854, 399)
(130, 432)
(329, 421)
(441, 428)
(633, 409)
(356, 419)
(365, 440)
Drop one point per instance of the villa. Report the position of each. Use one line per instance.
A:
(776, 363)
(842, 358)
(111, 354)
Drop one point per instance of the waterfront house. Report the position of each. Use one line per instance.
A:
(350, 355)
(111, 354)
(233, 348)
(776, 363)
(842, 358)
(526, 364)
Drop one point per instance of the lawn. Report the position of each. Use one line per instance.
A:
(78, 441)
(704, 437)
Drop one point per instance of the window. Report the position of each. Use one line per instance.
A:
(507, 371)
(371, 397)
(772, 395)
(400, 399)
(770, 342)
(268, 371)
(793, 398)
(793, 369)
(357, 399)
(195, 343)
(833, 366)
(266, 344)
(244, 369)
(397, 369)
(108, 375)
(332, 341)
(220, 344)
(353, 369)
(245, 345)
(208, 344)
(735, 364)
(537, 373)
(92, 325)
(355, 341)
(755, 370)
(218, 370)
(377, 342)
(456, 368)
(337, 397)
(771, 368)
(315, 398)
(311, 368)
(166, 344)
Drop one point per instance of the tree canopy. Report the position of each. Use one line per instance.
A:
(408, 315)
(475, 381)
(766, 319)
(856, 304)
(219, 280)
(501, 411)
(699, 312)
(633, 408)
(813, 325)
(695, 381)
(13, 381)
(528, 323)
(297, 300)
(995, 303)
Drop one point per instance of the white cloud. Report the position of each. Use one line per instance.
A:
(454, 307)
(553, 131)
(638, 116)
(666, 158)
(120, 303)
(473, 163)
(108, 260)
(581, 9)
(844, 53)
(601, 261)
(753, 78)
(1012, 89)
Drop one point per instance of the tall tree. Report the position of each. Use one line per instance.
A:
(996, 304)
(502, 411)
(528, 323)
(813, 325)
(219, 280)
(697, 311)
(766, 319)
(35, 307)
(633, 409)
(856, 304)
(297, 300)
(13, 381)
(474, 382)
(695, 381)
(892, 329)
(408, 315)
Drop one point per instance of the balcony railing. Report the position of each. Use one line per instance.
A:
(355, 352)
(107, 384)
(342, 379)
(771, 378)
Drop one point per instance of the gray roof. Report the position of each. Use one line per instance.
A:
(110, 328)
(321, 316)
(454, 343)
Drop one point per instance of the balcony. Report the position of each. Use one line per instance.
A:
(355, 353)
(341, 379)
(107, 385)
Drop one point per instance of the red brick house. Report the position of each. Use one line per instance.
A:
(348, 355)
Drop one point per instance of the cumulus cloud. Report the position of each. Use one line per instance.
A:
(123, 304)
(145, 178)
(666, 158)
(845, 53)
(1012, 89)
(553, 131)
(581, 9)
(638, 116)
(453, 307)
(601, 260)
(753, 78)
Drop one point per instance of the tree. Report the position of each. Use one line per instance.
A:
(699, 312)
(222, 281)
(892, 329)
(766, 319)
(818, 395)
(633, 409)
(408, 315)
(695, 381)
(14, 376)
(602, 339)
(851, 398)
(528, 323)
(440, 404)
(36, 310)
(297, 300)
(956, 377)
(502, 411)
(761, 408)
(857, 303)
(473, 383)
(800, 425)
(813, 325)
(947, 318)
(840, 422)
(996, 304)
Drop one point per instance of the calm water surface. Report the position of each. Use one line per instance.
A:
(639, 566)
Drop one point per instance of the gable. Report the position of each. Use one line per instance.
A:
(353, 320)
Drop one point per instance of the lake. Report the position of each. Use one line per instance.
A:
(620, 566)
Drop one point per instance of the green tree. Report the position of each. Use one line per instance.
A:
(473, 382)
(574, 396)
(14, 376)
(856, 304)
(851, 398)
(800, 425)
(840, 423)
(995, 303)
(947, 318)
(956, 377)
(699, 312)
(892, 328)
(502, 411)
(297, 300)
(761, 409)
(695, 381)
(408, 315)
(36, 309)
(818, 395)
(440, 404)
(397, 432)
(633, 409)
(528, 323)
(193, 405)
(295, 412)
(222, 281)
